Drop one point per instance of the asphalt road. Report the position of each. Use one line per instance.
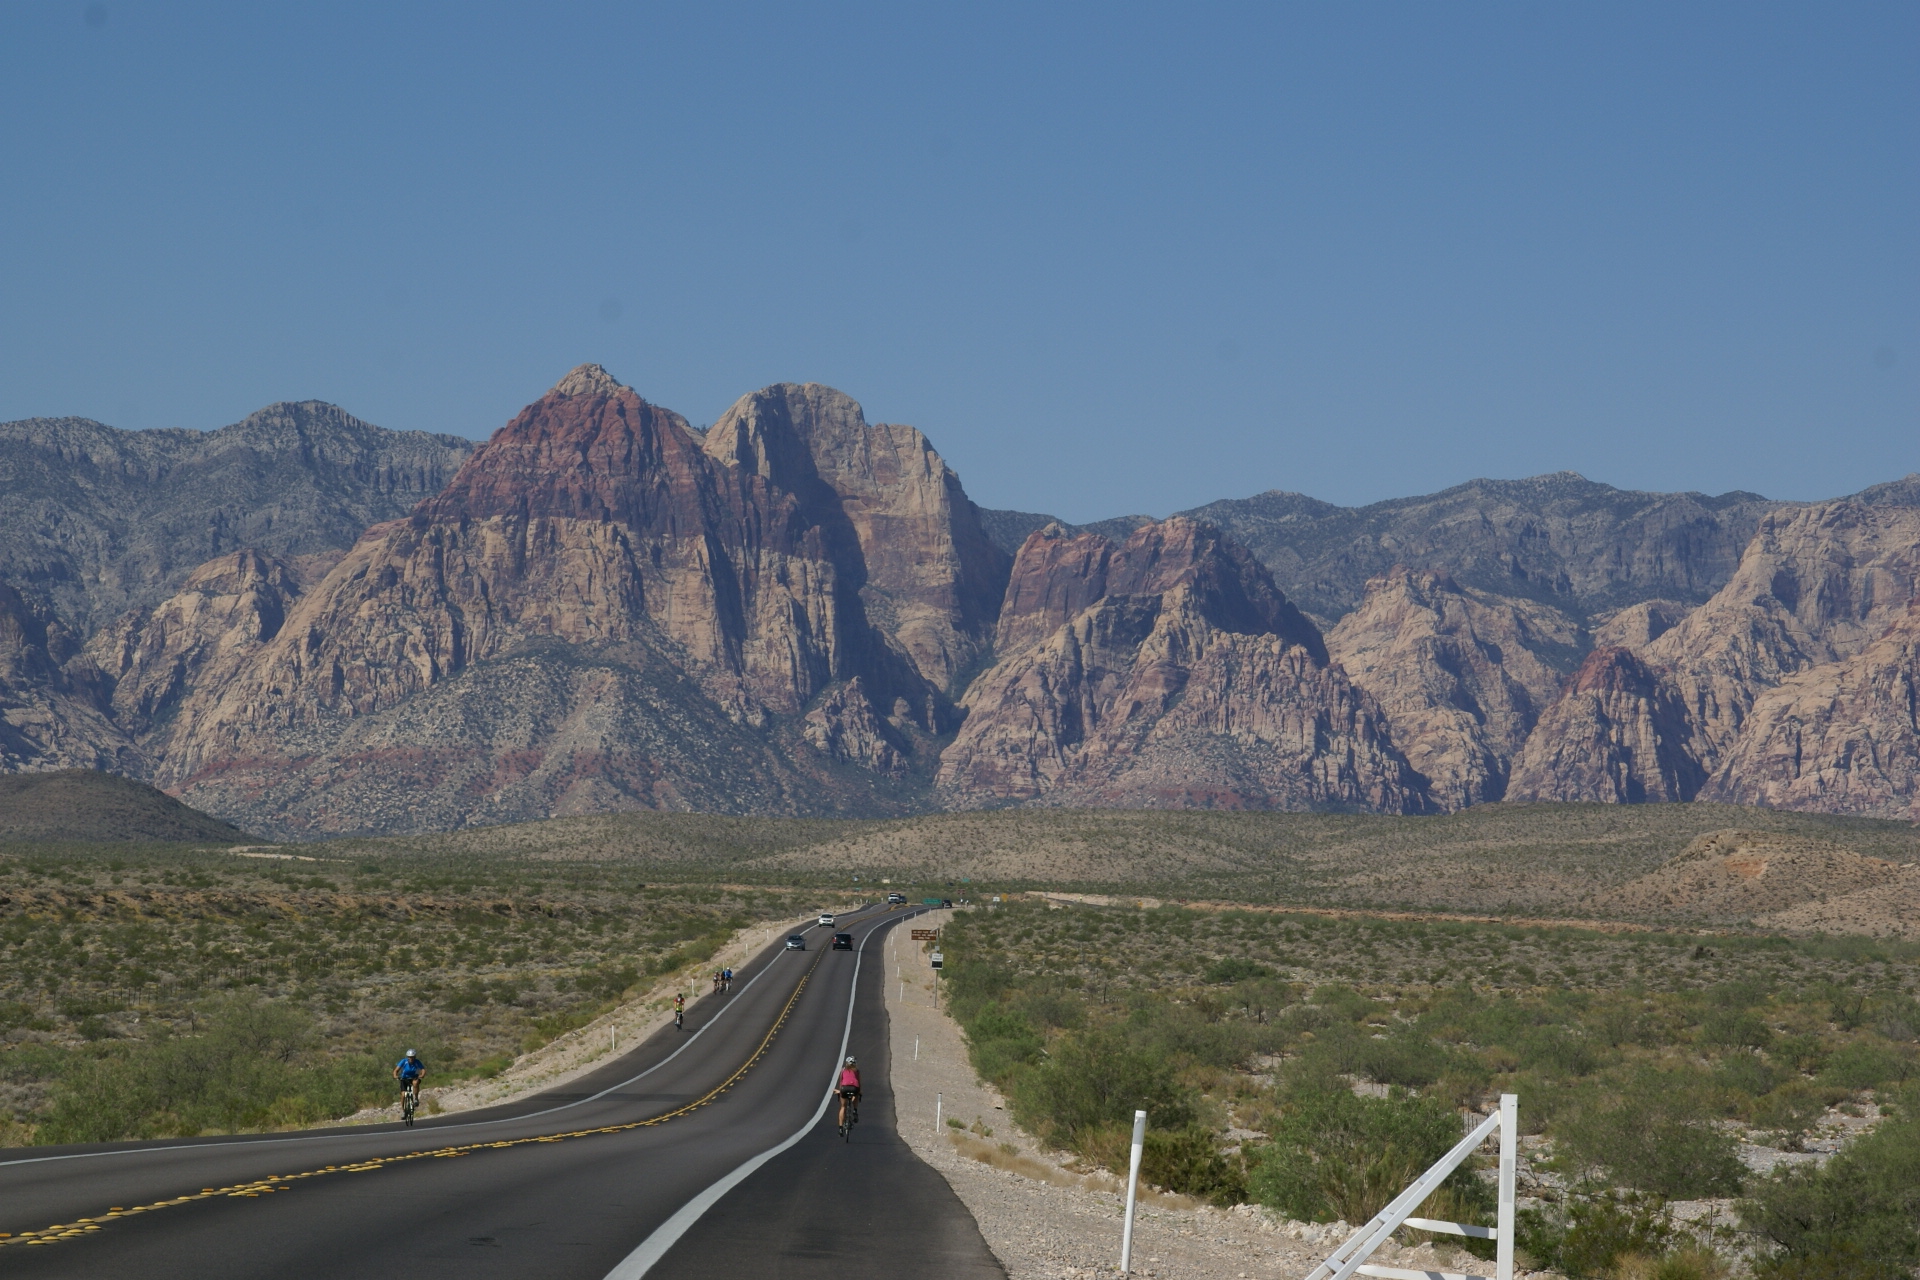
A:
(706, 1152)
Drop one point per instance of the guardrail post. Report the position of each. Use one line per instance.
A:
(1133, 1187)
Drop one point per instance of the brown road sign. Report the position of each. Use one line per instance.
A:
(926, 935)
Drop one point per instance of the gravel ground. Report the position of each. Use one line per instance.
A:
(1042, 1219)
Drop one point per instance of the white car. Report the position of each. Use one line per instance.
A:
(826, 920)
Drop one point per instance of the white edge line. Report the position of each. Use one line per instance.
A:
(439, 1128)
(636, 1264)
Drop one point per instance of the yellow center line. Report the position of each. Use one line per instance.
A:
(248, 1190)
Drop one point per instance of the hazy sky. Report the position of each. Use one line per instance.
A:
(1111, 258)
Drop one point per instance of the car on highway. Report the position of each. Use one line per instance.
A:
(826, 919)
(796, 942)
(843, 942)
(896, 899)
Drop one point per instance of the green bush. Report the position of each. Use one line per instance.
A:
(1002, 1040)
(1868, 1064)
(1857, 1216)
(1337, 1156)
(254, 1067)
(1095, 1078)
(1231, 969)
(1655, 1135)
(1591, 1236)
(1189, 1160)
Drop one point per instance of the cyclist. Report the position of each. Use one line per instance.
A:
(679, 1007)
(849, 1091)
(408, 1072)
(726, 980)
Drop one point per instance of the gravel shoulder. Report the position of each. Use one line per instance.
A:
(570, 1056)
(1042, 1218)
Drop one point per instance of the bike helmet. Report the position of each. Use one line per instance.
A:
(412, 1054)
(849, 1061)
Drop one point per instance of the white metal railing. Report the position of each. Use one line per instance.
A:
(1351, 1258)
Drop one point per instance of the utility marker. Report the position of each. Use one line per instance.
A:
(1133, 1187)
(939, 1099)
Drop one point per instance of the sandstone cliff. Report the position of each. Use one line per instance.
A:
(606, 609)
(1619, 735)
(1815, 586)
(1165, 671)
(1461, 675)
(1840, 738)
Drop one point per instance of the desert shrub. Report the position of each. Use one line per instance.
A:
(1337, 1156)
(1748, 1073)
(1095, 1078)
(1189, 1160)
(1790, 1111)
(1654, 1135)
(1856, 1216)
(1868, 1064)
(1001, 1040)
(253, 1067)
(1231, 969)
(1592, 1235)
(1735, 1029)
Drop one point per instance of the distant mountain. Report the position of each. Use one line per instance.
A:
(99, 520)
(308, 626)
(79, 805)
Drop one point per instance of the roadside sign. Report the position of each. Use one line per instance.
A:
(926, 935)
(938, 959)
(933, 902)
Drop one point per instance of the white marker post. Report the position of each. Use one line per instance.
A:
(916, 1048)
(1133, 1187)
(939, 1101)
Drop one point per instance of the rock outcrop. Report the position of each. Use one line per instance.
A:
(1816, 586)
(1165, 671)
(652, 583)
(1461, 675)
(1620, 735)
(1840, 738)
(49, 718)
(225, 611)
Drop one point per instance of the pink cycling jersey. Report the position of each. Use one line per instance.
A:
(849, 1078)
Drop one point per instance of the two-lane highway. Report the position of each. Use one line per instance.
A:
(704, 1152)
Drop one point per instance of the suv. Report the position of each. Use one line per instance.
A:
(826, 919)
(843, 942)
(896, 899)
(796, 942)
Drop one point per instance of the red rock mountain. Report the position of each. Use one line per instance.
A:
(797, 611)
(1165, 671)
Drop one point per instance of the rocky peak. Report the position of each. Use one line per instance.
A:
(1058, 574)
(588, 380)
(589, 449)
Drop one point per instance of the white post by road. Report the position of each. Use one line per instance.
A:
(938, 1100)
(1133, 1186)
(1509, 1160)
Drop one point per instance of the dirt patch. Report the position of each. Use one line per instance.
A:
(1738, 874)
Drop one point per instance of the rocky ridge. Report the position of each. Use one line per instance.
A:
(797, 611)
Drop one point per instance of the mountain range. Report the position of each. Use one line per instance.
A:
(308, 625)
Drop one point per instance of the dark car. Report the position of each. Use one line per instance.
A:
(796, 942)
(843, 942)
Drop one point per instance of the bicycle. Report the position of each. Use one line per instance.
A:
(853, 1116)
(409, 1101)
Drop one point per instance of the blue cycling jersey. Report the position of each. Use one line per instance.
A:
(411, 1067)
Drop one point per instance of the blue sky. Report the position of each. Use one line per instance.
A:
(1111, 258)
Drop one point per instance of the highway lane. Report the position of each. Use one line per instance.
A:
(534, 1191)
